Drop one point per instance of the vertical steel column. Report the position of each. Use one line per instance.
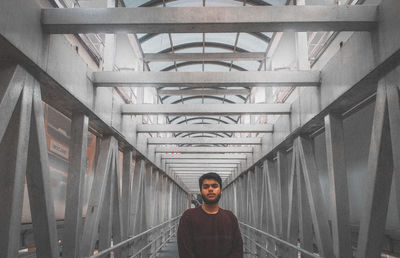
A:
(136, 200)
(271, 221)
(315, 198)
(260, 175)
(75, 184)
(117, 220)
(305, 223)
(105, 226)
(293, 222)
(283, 198)
(339, 197)
(393, 99)
(97, 196)
(379, 177)
(126, 198)
(14, 138)
(38, 179)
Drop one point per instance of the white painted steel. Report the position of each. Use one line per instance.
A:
(211, 128)
(209, 19)
(205, 109)
(207, 79)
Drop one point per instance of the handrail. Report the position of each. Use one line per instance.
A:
(257, 244)
(161, 246)
(282, 241)
(122, 243)
(149, 244)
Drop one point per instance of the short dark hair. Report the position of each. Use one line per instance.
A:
(210, 175)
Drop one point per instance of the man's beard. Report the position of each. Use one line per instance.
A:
(207, 201)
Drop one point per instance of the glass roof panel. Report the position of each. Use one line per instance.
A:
(223, 3)
(226, 38)
(190, 50)
(216, 50)
(215, 68)
(157, 43)
(248, 65)
(190, 68)
(187, 3)
(171, 99)
(251, 43)
(158, 66)
(212, 101)
(183, 38)
(276, 2)
(234, 99)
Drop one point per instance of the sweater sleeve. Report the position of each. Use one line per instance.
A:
(237, 251)
(185, 245)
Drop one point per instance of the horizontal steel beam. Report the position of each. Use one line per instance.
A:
(204, 156)
(173, 57)
(204, 169)
(203, 140)
(203, 92)
(198, 161)
(207, 79)
(205, 128)
(174, 149)
(206, 109)
(209, 19)
(198, 173)
(201, 165)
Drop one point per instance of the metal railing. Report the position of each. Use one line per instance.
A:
(277, 239)
(128, 241)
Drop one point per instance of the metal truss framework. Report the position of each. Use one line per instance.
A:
(111, 217)
(279, 198)
(291, 204)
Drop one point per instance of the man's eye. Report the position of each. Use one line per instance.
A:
(206, 186)
(214, 186)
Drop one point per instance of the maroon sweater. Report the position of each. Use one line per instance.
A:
(203, 235)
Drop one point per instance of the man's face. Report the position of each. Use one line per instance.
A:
(211, 191)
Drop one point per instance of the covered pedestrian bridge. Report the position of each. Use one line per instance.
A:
(110, 110)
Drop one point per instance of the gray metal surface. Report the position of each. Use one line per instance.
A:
(209, 19)
(206, 109)
(290, 187)
(193, 128)
(207, 79)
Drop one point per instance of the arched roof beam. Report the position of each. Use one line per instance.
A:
(222, 135)
(203, 117)
(204, 96)
(220, 63)
(206, 44)
(258, 35)
(183, 88)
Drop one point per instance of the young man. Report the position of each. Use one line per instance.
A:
(209, 231)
